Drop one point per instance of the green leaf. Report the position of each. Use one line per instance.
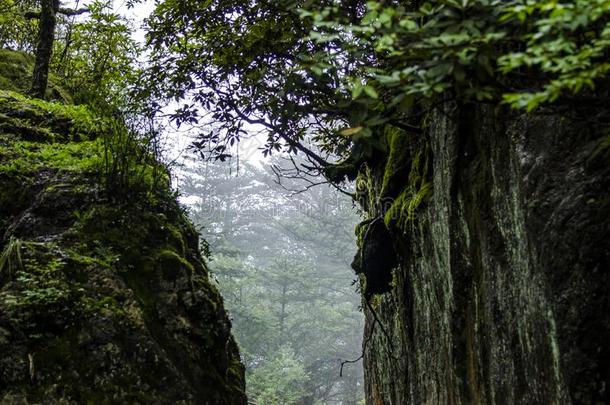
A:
(350, 131)
(371, 92)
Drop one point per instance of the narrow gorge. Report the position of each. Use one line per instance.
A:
(154, 154)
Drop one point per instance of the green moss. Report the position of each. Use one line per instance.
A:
(53, 280)
(394, 283)
(37, 134)
(146, 299)
(99, 250)
(398, 209)
(40, 283)
(398, 161)
(28, 157)
(139, 243)
(210, 293)
(418, 191)
(95, 258)
(15, 69)
(134, 232)
(376, 300)
(235, 372)
(337, 173)
(107, 259)
(105, 306)
(74, 121)
(361, 231)
(174, 236)
(366, 194)
(422, 195)
(22, 129)
(172, 264)
(16, 72)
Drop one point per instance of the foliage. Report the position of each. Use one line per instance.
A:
(131, 161)
(16, 31)
(238, 62)
(71, 139)
(279, 381)
(545, 50)
(65, 120)
(104, 257)
(10, 259)
(40, 286)
(98, 57)
(95, 55)
(43, 286)
(337, 72)
(569, 45)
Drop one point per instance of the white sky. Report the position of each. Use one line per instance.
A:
(175, 142)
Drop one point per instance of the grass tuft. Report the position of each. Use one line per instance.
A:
(10, 260)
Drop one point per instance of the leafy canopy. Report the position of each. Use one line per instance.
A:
(240, 62)
(16, 31)
(331, 72)
(526, 53)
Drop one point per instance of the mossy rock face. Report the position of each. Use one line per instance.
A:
(500, 222)
(101, 301)
(44, 121)
(16, 71)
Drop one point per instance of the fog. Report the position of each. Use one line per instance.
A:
(280, 254)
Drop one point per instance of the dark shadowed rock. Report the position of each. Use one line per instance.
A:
(501, 293)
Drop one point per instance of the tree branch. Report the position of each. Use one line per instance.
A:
(295, 144)
(65, 11)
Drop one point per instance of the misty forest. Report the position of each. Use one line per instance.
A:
(296, 202)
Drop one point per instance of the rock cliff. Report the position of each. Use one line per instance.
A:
(104, 295)
(500, 227)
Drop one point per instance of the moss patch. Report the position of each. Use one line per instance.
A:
(102, 299)
(172, 264)
(30, 157)
(398, 163)
(419, 189)
(16, 71)
(54, 121)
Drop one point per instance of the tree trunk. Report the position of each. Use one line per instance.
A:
(283, 310)
(44, 49)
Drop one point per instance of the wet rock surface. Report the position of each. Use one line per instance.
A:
(501, 293)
